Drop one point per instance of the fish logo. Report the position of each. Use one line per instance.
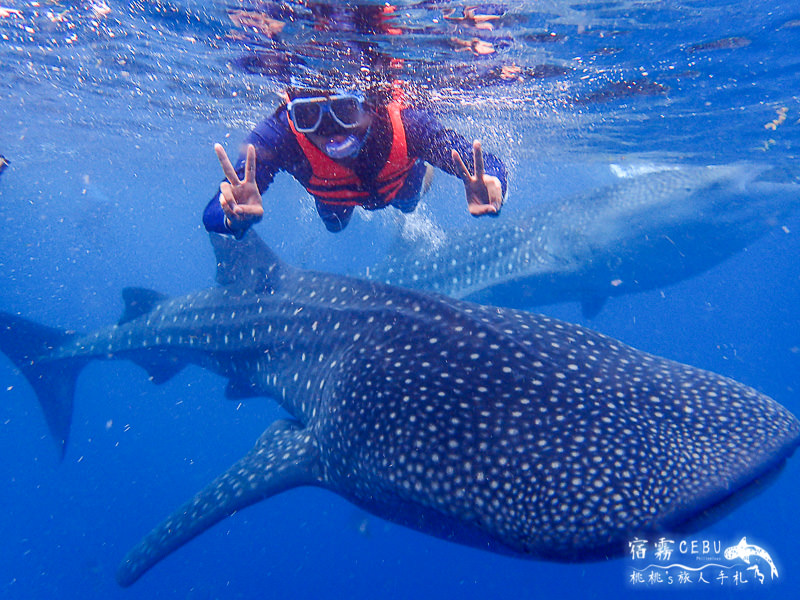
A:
(744, 551)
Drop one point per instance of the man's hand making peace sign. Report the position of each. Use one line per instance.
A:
(240, 200)
(484, 192)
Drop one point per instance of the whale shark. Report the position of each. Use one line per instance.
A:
(493, 427)
(655, 226)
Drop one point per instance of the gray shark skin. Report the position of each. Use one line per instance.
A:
(646, 232)
(492, 427)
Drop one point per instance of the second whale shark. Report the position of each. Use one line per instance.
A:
(492, 427)
(656, 226)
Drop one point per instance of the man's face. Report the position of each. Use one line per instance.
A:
(323, 137)
(330, 120)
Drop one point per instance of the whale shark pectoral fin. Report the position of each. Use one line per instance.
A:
(285, 456)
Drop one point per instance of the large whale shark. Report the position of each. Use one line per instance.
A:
(493, 427)
(655, 226)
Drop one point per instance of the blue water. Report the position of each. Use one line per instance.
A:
(108, 114)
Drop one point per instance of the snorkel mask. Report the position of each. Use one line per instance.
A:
(344, 111)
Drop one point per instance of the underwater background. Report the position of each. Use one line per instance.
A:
(108, 114)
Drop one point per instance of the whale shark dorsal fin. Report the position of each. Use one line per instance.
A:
(285, 456)
(247, 262)
(138, 302)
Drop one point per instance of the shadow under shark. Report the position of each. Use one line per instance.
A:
(492, 427)
(651, 229)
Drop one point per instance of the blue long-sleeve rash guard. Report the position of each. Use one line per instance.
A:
(278, 150)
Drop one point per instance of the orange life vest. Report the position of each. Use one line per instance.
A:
(335, 184)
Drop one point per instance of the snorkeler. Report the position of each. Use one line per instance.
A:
(349, 149)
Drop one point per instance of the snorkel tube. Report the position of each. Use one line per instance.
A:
(346, 148)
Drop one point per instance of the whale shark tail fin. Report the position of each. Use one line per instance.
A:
(28, 345)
